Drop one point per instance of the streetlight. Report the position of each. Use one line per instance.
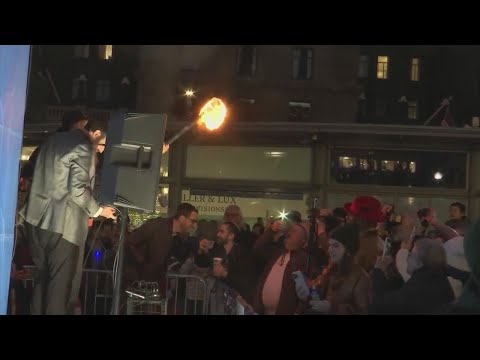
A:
(438, 176)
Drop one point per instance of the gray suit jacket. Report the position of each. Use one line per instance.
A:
(61, 198)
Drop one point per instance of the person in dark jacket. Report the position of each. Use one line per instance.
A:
(428, 288)
(469, 301)
(245, 238)
(236, 267)
(148, 248)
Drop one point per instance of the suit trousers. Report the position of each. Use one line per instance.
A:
(57, 262)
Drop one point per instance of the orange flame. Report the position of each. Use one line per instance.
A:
(213, 114)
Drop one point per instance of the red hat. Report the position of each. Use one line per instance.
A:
(367, 208)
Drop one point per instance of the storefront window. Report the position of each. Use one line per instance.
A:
(399, 168)
(249, 163)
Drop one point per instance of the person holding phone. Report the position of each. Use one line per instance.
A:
(428, 287)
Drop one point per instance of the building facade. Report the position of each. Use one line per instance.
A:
(405, 84)
(290, 139)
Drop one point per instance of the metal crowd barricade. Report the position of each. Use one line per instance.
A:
(224, 300)
(186, 294)
(96, 292)
(144, 298)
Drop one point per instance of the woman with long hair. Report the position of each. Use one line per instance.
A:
(344, 285)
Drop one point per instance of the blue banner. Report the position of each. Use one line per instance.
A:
(14, 68)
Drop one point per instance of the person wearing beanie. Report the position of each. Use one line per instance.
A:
(325, 225)
(344, 285)
(366, 211)
(428, 288)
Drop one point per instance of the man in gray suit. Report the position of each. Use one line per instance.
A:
(57, 213)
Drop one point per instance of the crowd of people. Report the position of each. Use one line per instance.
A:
(358, 261)
(361, 258)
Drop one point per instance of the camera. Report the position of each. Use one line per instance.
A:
(392, 220)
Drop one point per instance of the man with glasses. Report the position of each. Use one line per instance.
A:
(148, 248)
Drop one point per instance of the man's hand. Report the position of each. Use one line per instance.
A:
(301, 287)
(166, 147)
(219, 271)
(383, 262)
(20, 274)
(276, 226)
(321, 306)
(203, 246)
(386, 209)
(108, 212)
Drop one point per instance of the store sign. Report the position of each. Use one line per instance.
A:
(215, 205)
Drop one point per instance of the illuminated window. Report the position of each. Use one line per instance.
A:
(412, 166)
(388, 165)
(105, 51)
(302, 63)
(247, 60)
(363, 66)
(299, 111)
(382, 67)
(347, 162)
(368, 164)
(27, 151)
(412, 110)
(415, 69)
(81, 51)
(289, 164)
(254, 205)
(164, 165)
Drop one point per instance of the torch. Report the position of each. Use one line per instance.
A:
(212, 115)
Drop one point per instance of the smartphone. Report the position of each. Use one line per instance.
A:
(387, 247)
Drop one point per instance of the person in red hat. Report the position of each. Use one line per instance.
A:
(366, 211)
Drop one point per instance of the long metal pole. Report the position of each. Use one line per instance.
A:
(181, 133)
(117, 289)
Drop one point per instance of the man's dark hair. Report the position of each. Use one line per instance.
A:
(184, 209)
(70, 118)
(340, 213)
(233, 229)
(331, 222)
(460, 206)
(94, 125)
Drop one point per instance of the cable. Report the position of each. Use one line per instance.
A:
(95, 239)
(93, 243)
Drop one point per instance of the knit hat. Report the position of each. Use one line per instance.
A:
(348, 236)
